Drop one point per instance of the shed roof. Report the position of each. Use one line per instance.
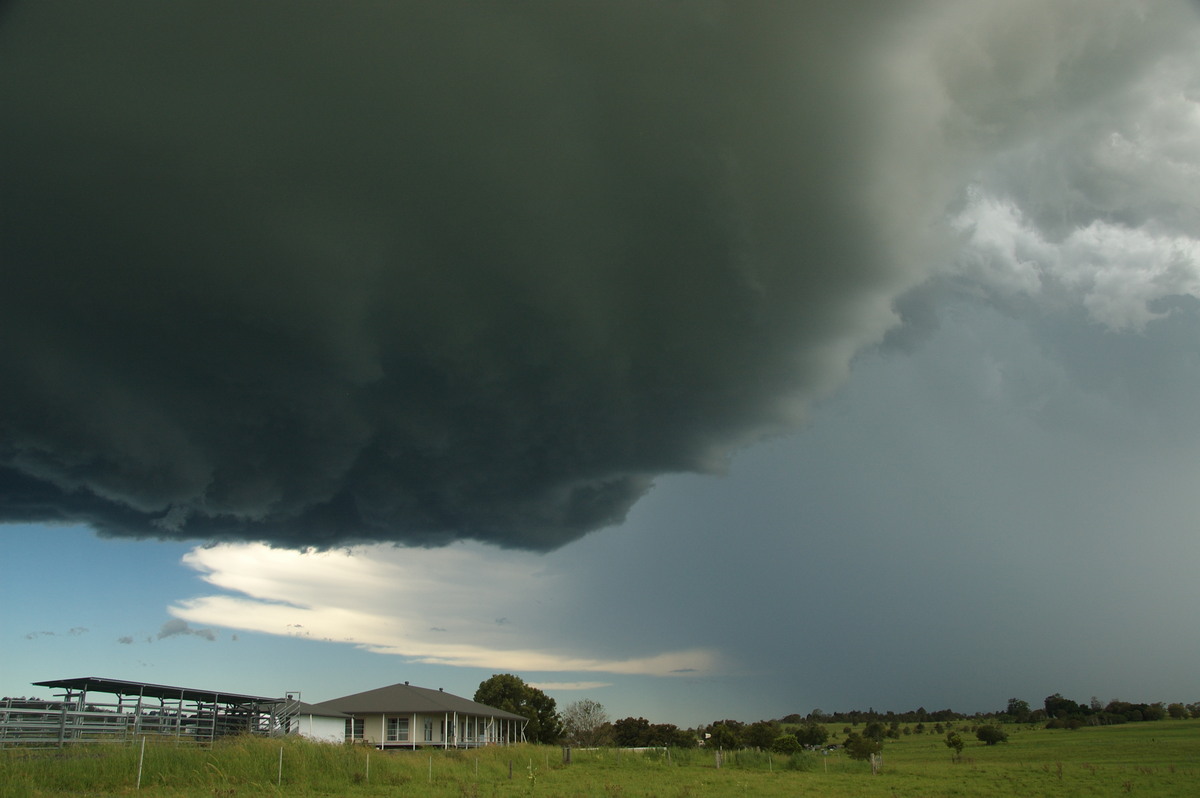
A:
(123, 688)
(405, 697)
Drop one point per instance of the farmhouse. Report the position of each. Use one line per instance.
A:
(90, 709)
(315, 723)
(405, 716)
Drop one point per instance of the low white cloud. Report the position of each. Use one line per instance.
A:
(433, 606)
(1115, 271)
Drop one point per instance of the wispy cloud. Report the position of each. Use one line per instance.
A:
(74, 631)
(177, 627)
(570, 685)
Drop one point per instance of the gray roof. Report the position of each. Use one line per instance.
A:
(122, 687)
(404, 698)
(318, 711)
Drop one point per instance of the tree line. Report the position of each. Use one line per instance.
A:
(585, 723)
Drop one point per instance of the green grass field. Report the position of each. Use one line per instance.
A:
(1160, 759)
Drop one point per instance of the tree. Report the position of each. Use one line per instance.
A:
(726, 735)
(760, 735)
(1059, 707)
(1018, 710)
(631, 732)
(585, 723)
(860, 747)
(668, 735)
(786, 744)
(510, 693)
(812, 735)
(955, 743)
(990, 735)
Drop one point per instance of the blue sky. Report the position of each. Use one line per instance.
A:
(873, 387)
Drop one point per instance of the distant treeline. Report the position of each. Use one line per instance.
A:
(1055, 712)
(855, 716)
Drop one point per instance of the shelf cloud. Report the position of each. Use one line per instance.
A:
(415, 273)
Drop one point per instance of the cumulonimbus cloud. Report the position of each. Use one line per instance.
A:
(420, 272)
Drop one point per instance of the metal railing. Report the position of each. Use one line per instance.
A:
(55, 724)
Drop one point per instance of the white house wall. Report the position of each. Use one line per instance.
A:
(481, 730)
(326, 730)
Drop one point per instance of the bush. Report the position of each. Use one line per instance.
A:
(990, 735)
(785, 744)
(860, 747)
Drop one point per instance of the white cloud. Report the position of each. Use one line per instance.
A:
(1116, 272)
(1101, 210)
(434, 606)
(570, 685)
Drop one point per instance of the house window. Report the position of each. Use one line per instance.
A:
(428, 730)
(397, 730)
(354, 728)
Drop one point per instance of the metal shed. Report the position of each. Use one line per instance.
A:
(94, 709)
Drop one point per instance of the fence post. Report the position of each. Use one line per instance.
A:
(141, 759)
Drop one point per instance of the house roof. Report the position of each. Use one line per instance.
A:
(303, 708)
(124, 688)
(403, 698)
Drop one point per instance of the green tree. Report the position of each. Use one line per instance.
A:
(875, 731)
(760, 735)
(786, 744)
(510, 693)
(1059, 707)
(726, 735)
(811, 734)
(991, 735)
(1018, 710)
(859, 747)
(668, 735)
(954, 742)
(632, 733)
(585, 723)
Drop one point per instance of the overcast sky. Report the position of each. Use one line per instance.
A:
(705, 360)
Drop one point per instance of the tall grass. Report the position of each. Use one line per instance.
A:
(1160, 759)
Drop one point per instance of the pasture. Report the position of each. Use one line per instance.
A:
(1160, 759)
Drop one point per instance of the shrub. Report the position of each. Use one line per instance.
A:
(785, 744)
(812, 735)
(991, 735)
(860, 747)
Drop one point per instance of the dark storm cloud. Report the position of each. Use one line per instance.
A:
(412, 272)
